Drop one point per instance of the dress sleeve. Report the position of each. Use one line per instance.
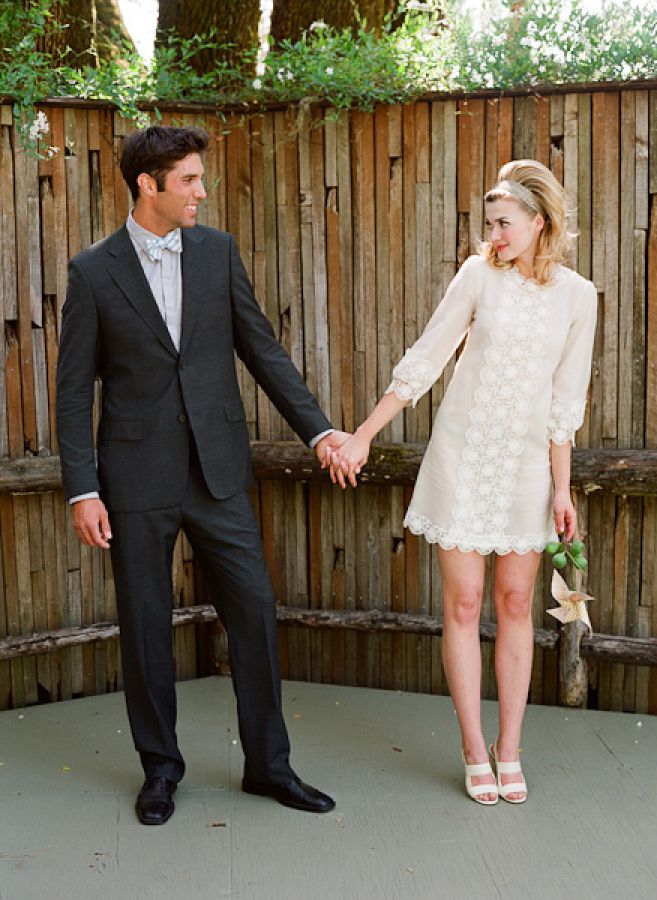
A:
(570, 381)
(422, 364)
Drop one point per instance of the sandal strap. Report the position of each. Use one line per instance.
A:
(478, 769)
(508, 768)
(518, 787)
(478, 789)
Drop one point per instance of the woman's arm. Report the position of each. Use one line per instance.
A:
(352, 455)
(565, 517)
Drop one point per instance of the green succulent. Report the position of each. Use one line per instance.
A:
(564, 553)
(559, 560)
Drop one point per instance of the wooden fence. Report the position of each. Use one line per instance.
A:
(350, 227)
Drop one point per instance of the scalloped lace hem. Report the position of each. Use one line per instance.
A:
(501, 544)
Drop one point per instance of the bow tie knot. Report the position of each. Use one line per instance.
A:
(171, 241)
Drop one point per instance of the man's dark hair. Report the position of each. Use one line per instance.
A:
(155, 150)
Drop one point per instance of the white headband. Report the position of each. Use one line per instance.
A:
(520, 192)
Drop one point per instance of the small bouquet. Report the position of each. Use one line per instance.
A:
(572, 603)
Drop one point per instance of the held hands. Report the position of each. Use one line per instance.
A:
(565, 517)
(349, 459)
(91, 523)
(331, 442)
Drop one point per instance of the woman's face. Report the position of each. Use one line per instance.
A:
(512, 231)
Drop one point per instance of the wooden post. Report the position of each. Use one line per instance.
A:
(573, 670)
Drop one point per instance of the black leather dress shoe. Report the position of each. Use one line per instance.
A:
(154, 805)
(296, 795)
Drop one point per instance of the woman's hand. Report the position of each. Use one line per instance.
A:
(565, 517)
(349, 459)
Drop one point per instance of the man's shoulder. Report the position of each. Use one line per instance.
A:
(205, 232)
(95, 252)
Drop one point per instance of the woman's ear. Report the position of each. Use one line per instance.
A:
(539, 223)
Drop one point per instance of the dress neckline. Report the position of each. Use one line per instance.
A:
(529, 284)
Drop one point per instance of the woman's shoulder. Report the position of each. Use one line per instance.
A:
(475, 263)
(575, 282)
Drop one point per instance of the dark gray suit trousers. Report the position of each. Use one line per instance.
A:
(226, 541)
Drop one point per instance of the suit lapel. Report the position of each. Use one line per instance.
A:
(128, 274)
(193, 261)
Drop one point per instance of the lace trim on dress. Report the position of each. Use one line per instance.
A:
(412, 377)
(486, 477)
(564, 421)
(499, 543)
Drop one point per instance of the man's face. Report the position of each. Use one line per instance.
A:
(176, 206)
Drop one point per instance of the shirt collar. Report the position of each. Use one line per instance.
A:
(140, 234)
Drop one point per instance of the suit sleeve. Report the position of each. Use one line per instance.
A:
(76, 370)
(266, 359)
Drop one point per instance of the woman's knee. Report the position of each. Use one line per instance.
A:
(513, 604)
(463, 605)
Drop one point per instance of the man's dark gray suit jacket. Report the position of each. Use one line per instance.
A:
(151, 394)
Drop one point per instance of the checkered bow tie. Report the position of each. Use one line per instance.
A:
(171, 241)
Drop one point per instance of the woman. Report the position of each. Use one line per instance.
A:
(496, 474)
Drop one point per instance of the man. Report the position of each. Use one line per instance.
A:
(157, 310)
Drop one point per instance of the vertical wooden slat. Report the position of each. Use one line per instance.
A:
(571, 163)
(625, 238)
(491, 166)
(505, 131)
(475, 205)
(542, 145)
(524, 127)
(345, 646)
(611, 290)
(584, 187)
(25, 175)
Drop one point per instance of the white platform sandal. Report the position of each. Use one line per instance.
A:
(476, 791)
(508, 768)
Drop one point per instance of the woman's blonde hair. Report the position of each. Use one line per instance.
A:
(537, 191)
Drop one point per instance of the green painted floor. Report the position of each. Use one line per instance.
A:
(402, 828)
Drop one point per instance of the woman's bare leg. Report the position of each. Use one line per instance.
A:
(462, 576)
(513, 591)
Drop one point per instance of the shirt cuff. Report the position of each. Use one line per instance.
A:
(313, 443)
(92, 495)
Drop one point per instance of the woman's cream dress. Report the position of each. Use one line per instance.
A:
(521, 381)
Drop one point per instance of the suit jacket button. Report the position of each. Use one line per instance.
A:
(182, 418)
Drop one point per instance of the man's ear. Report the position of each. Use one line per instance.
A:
(147, 184)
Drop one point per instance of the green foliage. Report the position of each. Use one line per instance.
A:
(541, 42)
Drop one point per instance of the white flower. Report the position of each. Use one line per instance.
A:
(39, 127)
(329, 70)
(257, 84)
(290, 75)
(316, 26)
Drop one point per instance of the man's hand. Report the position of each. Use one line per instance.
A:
(91, 523)
(326, 447)
(349, 459)
(333, 440)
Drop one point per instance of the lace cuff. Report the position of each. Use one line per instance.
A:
(412, 377)
(565, 419)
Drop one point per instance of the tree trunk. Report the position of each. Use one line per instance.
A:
(236, 21)
(289, 20)
(89, 22)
